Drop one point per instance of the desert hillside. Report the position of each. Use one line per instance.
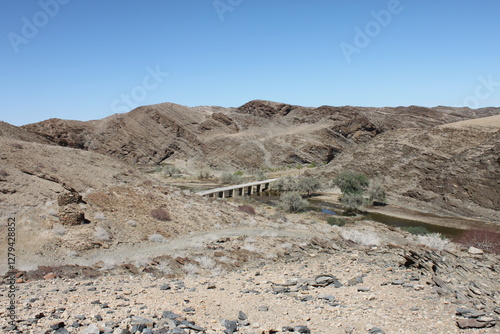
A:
(450, 169)
(259, 134)
(441, 160)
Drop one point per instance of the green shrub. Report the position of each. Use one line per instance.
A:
(171, 170)
(228, 178)
(351, 182)
(308, 185)
(416, 230)
(336, 221)
(376, 192)
(204, 174)
(292, 202)
(285, 184)
(353, 201)
(238, 173)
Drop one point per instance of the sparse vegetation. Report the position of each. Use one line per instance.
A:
(308, 185)
(204, 174)
(358, 190)
(353, 202)
(292, 202)
(156, 238)
(260, 176)
(228, 178)
(434, 241)
(191, 269)
(351, 182)
(160, 214)
(171, 171)
(361, 237)
(304, 184)
(486, 240)
(284, 184)
(376, 192)
(247, 209)
(336, 221)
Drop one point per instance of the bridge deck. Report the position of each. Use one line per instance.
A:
(237, 186)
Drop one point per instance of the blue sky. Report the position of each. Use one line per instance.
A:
(76, 59)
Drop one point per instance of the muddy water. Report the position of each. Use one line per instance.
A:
(272, 198)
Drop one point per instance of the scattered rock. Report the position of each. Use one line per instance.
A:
(474, 323)
(71, 216)
(91, 329)
(301, 329)
(49, 276)
(69, 198)
(231, 326)
(242, 316)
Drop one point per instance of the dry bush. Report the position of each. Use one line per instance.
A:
(160, 214)
(434, 241)
(156, 238)
(247, 209)
(361, 237)
(292, 202)
(102, 234)
(206, 262)
(487, 240)
(191, 269)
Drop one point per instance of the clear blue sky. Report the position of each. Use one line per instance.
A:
(88, 59)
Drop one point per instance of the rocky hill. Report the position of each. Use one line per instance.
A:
(450, 169)
(259, 134)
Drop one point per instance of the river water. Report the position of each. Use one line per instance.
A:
(327, 209)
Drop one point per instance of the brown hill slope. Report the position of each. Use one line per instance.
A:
(259, 134)
(117, 204)
(452, 169)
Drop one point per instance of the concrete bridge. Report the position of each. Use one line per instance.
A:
(239, 189)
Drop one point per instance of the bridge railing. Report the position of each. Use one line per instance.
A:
(238, 189)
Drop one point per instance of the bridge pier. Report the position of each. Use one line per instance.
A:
(238, 190)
